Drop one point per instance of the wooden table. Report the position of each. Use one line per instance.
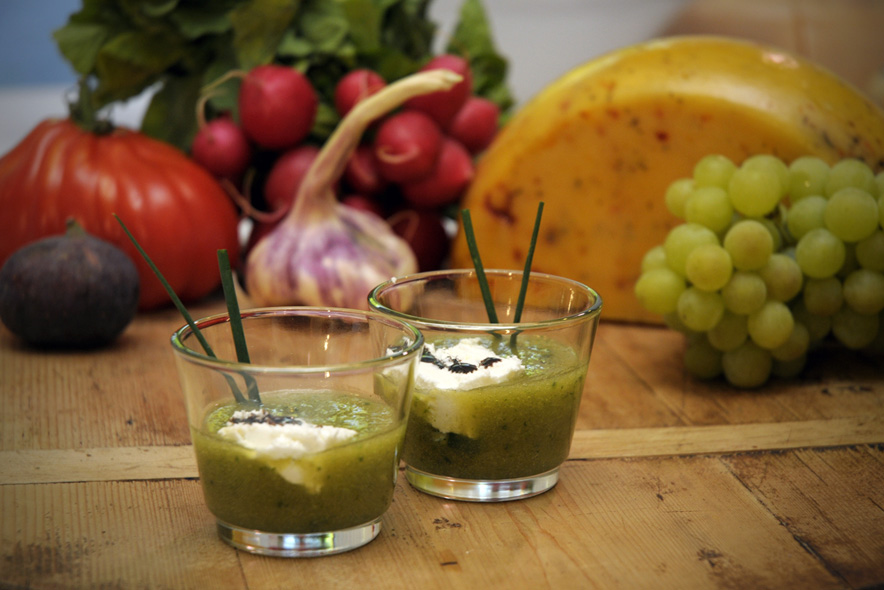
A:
(671, 483)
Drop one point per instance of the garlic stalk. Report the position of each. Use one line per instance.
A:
(325, 253)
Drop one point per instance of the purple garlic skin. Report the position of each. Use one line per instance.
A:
(327, 260)
(324, 253)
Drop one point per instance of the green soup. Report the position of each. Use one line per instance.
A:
(341, 487)
(518, 428)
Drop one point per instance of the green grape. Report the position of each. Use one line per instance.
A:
(773, 228)
(805, 215)
(708, 267)
(747, 366)
(864, 291)
(770, 166)
(850, 173)
(820, 253)
(713, 170)
(709, 206)
(782, 276)
(749, 244)
(879, 185)
(677, 194)
(818, 326)
(770, 325)
(654, 258)
(755, 192)
(681, 240)
(795, 346)
(788, 369)
(729, 333)
(850, 263)
(870, 252)
(744, 293)
(855, 330)
(807, 176)
(701, 360)
(823, 296)
(851, 214)
(881, 210)
(658, 290)
(699, 310)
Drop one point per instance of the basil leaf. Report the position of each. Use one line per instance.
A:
(365, 19)
(472, 37)
(174, 101)
(324, 26)
(132, 61)
(195, 21)
(80, 43)
(158, 8)
(258, 28)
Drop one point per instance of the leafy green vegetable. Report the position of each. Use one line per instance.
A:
(179, 47)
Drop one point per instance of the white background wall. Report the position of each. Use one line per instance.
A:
(542, 39)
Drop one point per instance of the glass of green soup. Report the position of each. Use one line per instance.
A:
(298, 449)
(495, 403)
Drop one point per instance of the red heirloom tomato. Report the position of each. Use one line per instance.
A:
(178, 213)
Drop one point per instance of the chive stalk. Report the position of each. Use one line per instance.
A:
(237, 394)
(477, 264)
(483, 279)
(236, 328)
(523, 289)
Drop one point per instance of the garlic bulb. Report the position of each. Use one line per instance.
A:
(325, 253)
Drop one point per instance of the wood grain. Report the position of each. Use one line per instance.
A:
(783, 520)
(146, 463)
(671, 483)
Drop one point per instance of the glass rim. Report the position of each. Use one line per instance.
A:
(201, 358)
(591, 311)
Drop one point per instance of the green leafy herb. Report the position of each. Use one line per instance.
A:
(177, 47)
(523, 288)
(470, 235)
(236, 327)
(237, 394)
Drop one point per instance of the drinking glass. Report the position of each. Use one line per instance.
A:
(495, 403)
(298, 450)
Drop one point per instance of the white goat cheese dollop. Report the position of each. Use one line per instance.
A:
(439, 384)
(467, 351)
(281, 443)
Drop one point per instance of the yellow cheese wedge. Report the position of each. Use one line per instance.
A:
(600, 146)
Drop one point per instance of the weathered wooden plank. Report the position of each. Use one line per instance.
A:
(101, 464)
(112, 535)
(836, 384)
(683, 522)
(126, 394)
(830, 500)
(804, 518)
(695, 440)
(140, 463)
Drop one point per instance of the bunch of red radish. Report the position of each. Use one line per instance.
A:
(411, 167)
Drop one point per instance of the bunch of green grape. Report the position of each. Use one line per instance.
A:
(772, 260)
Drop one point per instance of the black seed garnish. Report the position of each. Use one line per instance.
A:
(458, 367)
(488, 361)
(264, 417)
(427, 357)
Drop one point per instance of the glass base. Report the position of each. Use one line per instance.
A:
(299, 545)
(481, 490)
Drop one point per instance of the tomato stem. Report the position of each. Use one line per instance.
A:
(84, 113)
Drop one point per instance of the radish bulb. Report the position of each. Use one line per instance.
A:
(323, 252)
